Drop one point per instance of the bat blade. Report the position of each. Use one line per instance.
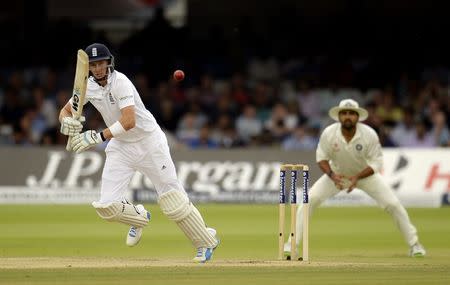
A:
(79, 86)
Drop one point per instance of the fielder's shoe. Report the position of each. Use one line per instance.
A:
(417, 250)
(287, 250)
(134, 234)
(205, 253)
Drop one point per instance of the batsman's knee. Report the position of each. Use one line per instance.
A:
(122, 212)
(175, 205)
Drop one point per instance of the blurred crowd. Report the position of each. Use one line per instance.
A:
(256, 88)
(255, 108)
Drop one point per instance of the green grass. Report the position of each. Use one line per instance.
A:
(347, 246)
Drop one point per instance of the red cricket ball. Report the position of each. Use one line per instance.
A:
(178, 75)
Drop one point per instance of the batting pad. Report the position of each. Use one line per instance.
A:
(121, 212)
(177, 207)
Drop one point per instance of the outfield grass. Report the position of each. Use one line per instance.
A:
(55, 244)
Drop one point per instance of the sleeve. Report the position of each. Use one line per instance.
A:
(123, 92)
(374, 153)
(323, 151)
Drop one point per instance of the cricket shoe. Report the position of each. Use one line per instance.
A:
(205, 253)
(134, 234)
(417, 250)
(287, 250)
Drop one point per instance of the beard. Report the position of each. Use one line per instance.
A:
(348, 125)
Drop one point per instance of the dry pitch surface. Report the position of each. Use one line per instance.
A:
(78, 262)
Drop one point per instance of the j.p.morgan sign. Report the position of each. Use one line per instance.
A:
(53, 174)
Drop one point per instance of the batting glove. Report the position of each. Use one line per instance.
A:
(71, 126)
(83, 141)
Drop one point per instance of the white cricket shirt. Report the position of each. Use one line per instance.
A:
(119, 93)
(350, 158)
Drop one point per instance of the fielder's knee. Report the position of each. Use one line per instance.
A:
(393, 207)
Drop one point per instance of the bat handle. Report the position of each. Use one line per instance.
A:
(69, 141)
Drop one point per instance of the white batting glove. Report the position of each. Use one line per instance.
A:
(71, 126)
(83, 141)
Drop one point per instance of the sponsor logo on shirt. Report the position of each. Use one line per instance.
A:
(111, 99)
(125, 97)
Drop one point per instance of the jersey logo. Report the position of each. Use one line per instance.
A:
(359, 147)
(111, 99)
(335, 146)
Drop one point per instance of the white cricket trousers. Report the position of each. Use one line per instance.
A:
(376, 188)
(150, 156)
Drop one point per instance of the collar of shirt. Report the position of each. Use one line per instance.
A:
(355, 137)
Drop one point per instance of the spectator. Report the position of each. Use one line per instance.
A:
(188, 128)
(440, 130)
(300, 139)
(309, 104)
(405, 131)
(281, 123)
(248, 125)
(388, 111)
(422, 137)
(203, 140)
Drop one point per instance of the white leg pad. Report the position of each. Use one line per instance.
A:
(121, 212)
(177, 207)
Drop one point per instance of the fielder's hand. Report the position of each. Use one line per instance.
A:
(86, 140)
(71, 126)
(353, 180)
(338, 180)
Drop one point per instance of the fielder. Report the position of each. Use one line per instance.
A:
(349, 154)
(137, 143)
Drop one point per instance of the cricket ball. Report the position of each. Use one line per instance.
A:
(178, 75)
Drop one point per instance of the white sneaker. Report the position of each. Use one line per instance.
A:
(134, 234)
(417, 250)
(205, 253)
(287, 250)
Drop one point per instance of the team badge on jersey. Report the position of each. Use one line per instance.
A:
(359, 147)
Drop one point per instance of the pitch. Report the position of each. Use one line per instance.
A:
(52, 244)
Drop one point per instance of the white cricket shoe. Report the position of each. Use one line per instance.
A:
(205, 253)
(417, 250)
(287, 250)
(134, 234)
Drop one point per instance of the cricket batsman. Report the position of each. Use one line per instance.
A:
(136, 143)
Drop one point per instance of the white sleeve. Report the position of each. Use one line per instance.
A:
(323, 151)
(374, 153)
(123, 92)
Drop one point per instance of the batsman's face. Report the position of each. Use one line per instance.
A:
(348, 118)
(99, 68)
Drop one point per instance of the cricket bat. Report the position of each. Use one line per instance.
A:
(79, 87)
